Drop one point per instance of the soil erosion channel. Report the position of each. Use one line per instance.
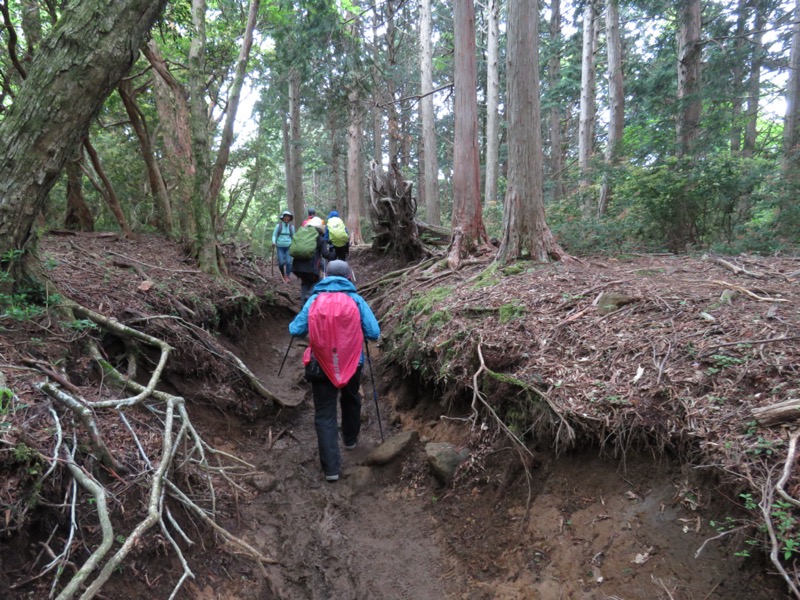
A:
(594, 529)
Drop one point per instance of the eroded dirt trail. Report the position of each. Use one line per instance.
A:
(357, 538)
(596, 528)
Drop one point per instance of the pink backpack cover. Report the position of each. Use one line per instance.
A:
(334, 330)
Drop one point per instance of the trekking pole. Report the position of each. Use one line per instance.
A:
(285, 355)
(374, 390)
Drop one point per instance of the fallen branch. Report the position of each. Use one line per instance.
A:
(747, 292)
(787, 469)
(736, 269)
(775, 414)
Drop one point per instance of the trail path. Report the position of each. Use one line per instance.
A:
(361, 537)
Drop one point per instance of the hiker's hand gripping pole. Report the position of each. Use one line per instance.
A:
(285, 355)
(374, 389)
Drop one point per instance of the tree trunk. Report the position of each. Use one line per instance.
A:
(754, 83)
(157, 187)
(205, 235)
(468, 228)
(78, 216)
(355, 136)
(616, 99)
(175, 133)
(791, 130)
(554, 77)
(109, 194)
(430, 169)
(296, 202)
(240, 70)
(335, 154)
(287, 169)
(377, 111)
(355, 174)
(737, 84)
(689, 57)
(525, 231)
(588, 88)
(393, 130)
(250, 195)
(492, 102)
(66, 86)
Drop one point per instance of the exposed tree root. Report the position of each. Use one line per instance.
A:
(182, 451)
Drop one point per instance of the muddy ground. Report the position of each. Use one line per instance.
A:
(579, 525)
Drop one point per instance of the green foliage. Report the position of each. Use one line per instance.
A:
(722, 202)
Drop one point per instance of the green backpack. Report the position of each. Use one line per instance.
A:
(337, 232)
(304, 243)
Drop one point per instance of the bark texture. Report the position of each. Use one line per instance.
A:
(588, 90)
(492, 102)
(525, 231)
(554, 76)
(468, 228)
(616, 98)
(430, 180)
(689, 57)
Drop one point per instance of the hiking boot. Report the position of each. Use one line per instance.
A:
(351, 446)
(331, 478)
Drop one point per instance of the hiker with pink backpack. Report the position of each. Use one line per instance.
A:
(337, 321)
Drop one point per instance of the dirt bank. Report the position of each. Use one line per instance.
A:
(640, 525)
(579, 527)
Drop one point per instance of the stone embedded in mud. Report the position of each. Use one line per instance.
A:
(609, 302)
(359, 477)
(444, 459)
(263, 482)
(392, 448)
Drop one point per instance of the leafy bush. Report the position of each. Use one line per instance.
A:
(726, 203)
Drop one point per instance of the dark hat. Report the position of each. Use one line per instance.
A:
(312, 211)
(340, 268)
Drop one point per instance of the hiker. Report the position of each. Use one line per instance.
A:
(336, 232)
(282, 239)
(313, 220)
(307, 251)
(337, 320)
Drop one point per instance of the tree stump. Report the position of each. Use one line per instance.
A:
(393, 210)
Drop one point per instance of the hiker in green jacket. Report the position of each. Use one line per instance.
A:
(282, 239)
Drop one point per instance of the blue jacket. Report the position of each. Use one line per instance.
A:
(369, 324)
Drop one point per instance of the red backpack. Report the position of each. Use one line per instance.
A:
(334, 331)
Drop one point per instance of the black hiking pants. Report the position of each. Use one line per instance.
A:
(325, 421)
